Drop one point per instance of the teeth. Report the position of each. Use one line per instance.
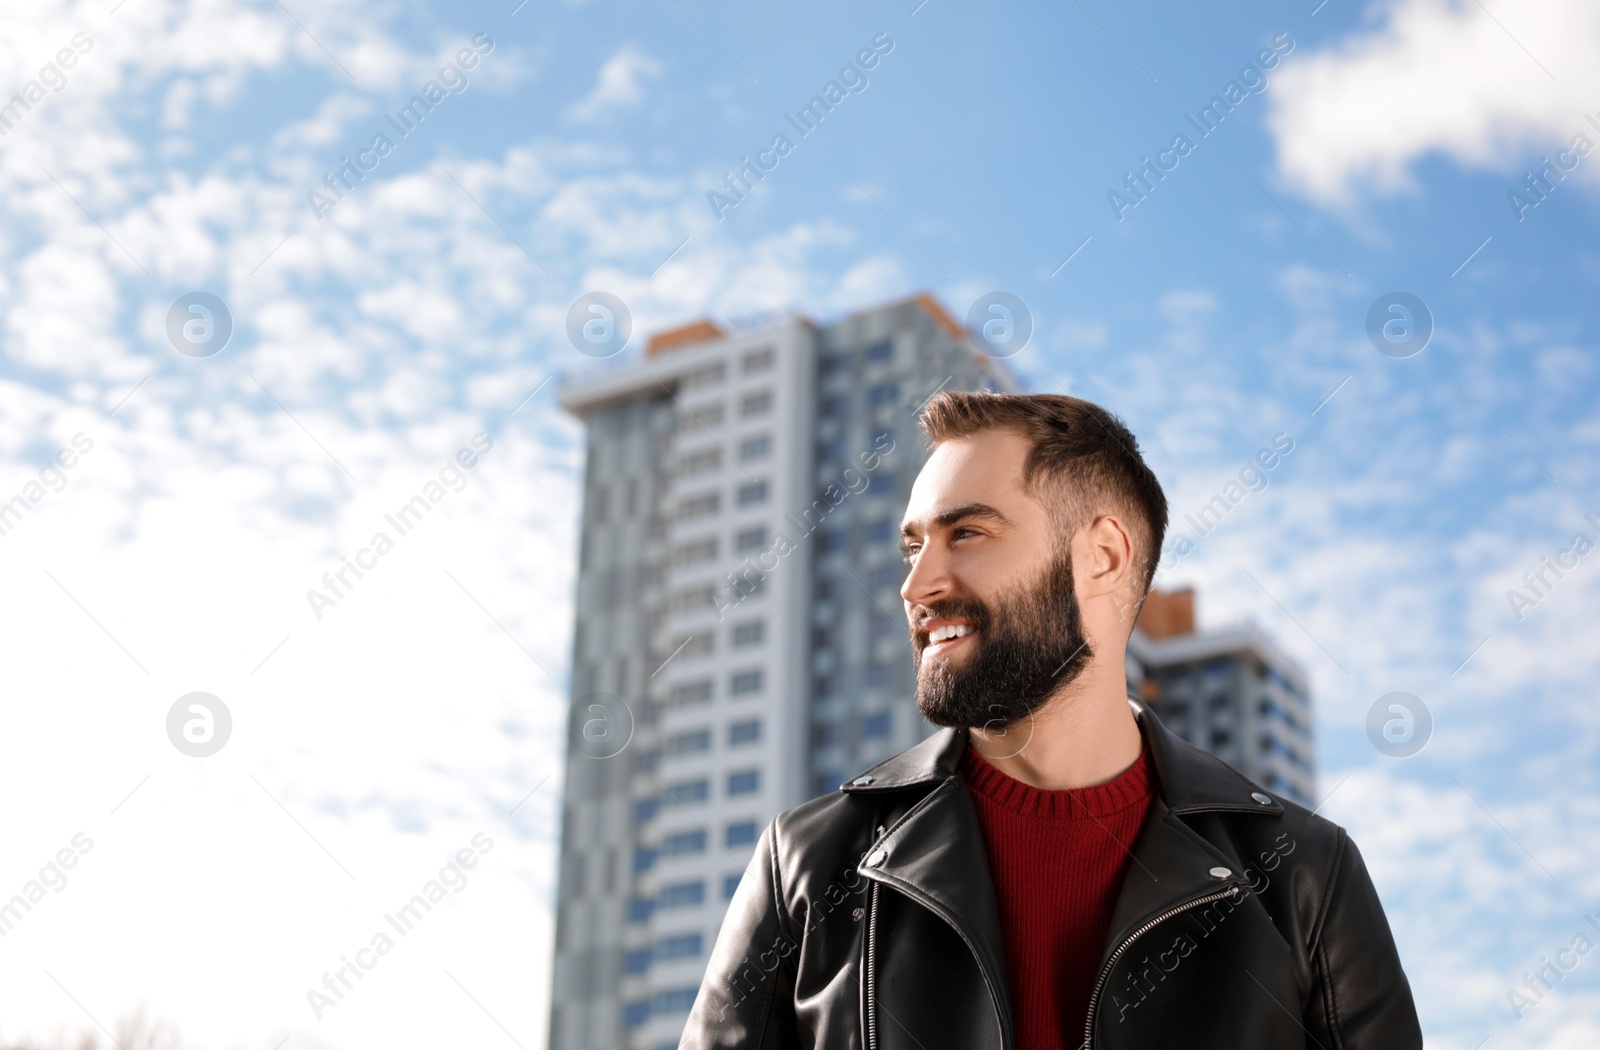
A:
(954, 630)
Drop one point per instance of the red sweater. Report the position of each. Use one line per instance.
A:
(1058, 859)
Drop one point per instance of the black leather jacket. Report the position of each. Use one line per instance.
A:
(867, 920)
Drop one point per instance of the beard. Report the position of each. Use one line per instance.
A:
(1027, 646)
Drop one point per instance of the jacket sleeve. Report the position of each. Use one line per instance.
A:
(746, 998)
(1361, 999)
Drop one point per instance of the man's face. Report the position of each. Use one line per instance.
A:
(994, 618)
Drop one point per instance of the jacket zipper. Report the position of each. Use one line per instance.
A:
(872, 945)
(872, 938)
(1105, 971)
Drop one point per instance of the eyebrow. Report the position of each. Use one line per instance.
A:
(947, 518)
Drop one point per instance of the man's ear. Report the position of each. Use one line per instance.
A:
(1107, 557)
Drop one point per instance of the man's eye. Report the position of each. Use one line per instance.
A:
(909, 551)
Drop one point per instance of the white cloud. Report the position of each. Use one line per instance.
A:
(620, 85)
(1437, 77)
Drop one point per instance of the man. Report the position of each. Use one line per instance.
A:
(1052, 869)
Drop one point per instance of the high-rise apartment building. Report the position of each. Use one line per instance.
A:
(740, 643)
(1229, 690)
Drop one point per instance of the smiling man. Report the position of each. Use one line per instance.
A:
(1052, 868)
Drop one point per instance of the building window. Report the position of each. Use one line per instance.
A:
(752, 538)
(690, 790)
(878, 353)
(834, 364)
(824, 635)
(752, 492)
(694, 553)
(827, 781)
(755, 404)
(700, 462)
(677, 845)
(682, 946)
(882, 483)
(640, 909)
(824, 734)
(699, 506)
(876, 725)
(885, 577)
(637, 960)
(755, 447)
(835, 405)
(704, 416)
(880, 530)
(745, 682)
(749, 633)
(707, 376)
(830, 451)
(880, 675)
(883, 395)
(744, 782)
(690, 694)
(693, 598)
(744, 732)
(644, 858)
(829, 685)
(832, 541)
(758, 360)
(645, 809)
(883, 627)
(740, 833)
(635, 1014)
(683, 894)
(730, 885)
(1220, 738)
(687, 743)
(827, 588)
(673, 1001)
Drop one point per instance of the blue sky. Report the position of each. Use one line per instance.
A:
(371, 342)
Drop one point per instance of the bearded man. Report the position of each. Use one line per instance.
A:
(1052, 869)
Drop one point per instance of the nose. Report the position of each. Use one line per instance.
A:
(929, 578)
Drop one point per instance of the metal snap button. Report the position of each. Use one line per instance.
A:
(1265, 800)
(863, 780)
(1220, 872)
(876, 857)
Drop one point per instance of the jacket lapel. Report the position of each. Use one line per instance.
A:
(935, 853)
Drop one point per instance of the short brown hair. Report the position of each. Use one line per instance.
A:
(1084, 451)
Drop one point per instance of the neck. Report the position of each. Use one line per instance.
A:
(1083, 734)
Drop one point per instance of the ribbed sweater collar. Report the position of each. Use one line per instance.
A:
(1130, 788)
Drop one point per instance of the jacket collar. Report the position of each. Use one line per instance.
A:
(934, 853)
(1191, 781)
